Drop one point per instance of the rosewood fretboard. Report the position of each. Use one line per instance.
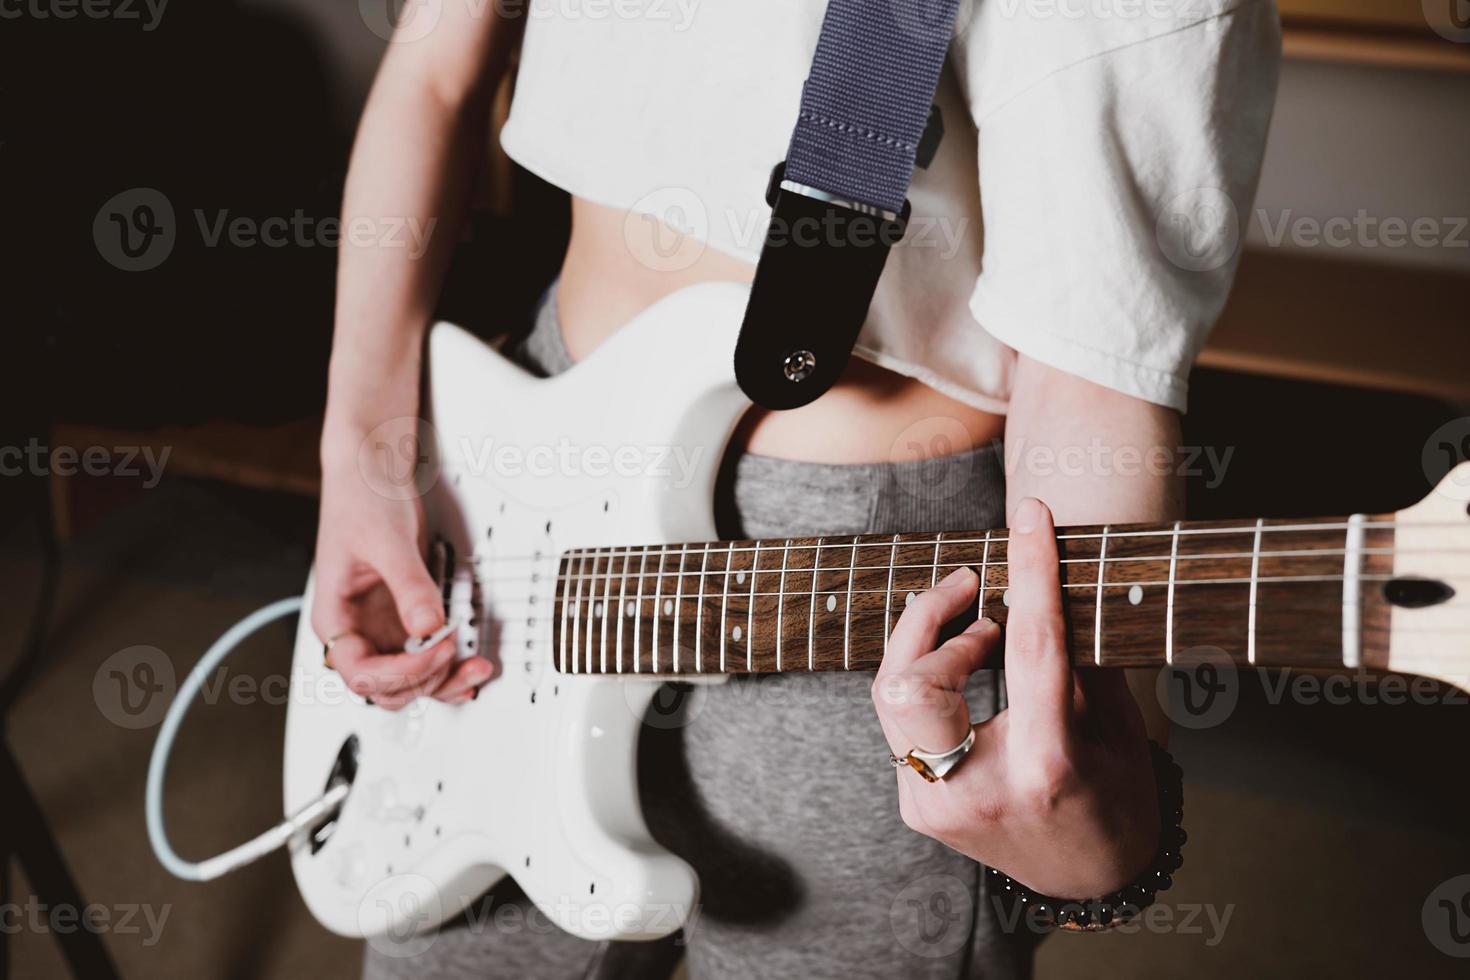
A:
(1272, 593)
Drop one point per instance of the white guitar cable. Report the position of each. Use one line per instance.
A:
(276, 837)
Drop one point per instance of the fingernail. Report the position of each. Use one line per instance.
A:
(1027, 516)
(958, 576)
(983, 624)
(423, 620)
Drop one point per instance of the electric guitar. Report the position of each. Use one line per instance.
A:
(553, 503)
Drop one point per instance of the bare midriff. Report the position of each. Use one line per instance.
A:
(617, 265)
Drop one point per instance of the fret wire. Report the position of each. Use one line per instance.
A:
(1352, 567)
(622, 599)
(725, 604)
(1097, 619)
(984, 560)
(847, 617)
(563, 587)
(750, 612)
(781, 600)
(934, 575)
(591, 608)
(811, 615)
(888, 600)
(658, 605)
(1250, 636)
(1169, 622)
(577, 613)
(699, 617)
(638, 616)
(679, 601)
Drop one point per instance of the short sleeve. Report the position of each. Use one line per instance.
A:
(1114, 189)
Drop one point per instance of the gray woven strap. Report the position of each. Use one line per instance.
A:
(867, 98)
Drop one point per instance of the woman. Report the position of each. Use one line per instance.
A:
(1064, 324)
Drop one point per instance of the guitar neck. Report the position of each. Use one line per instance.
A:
(1301, 593)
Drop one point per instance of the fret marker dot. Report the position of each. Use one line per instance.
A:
(597, 611)
(739, 578)
(735, 634)
(908, 600)
(1135, 595)
(831, 603)
(630, 608)
(668, 606)
(1005, 598)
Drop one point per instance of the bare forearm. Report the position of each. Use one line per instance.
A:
(419, 146)
(1095, 456)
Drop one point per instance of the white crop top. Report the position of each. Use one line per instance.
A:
(1084, 207)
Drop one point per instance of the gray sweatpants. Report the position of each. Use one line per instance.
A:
(777, 789)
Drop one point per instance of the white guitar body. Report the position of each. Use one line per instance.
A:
(536, 778)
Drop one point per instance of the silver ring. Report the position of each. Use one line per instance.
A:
(934, 766)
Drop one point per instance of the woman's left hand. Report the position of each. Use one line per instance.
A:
(1058, 791)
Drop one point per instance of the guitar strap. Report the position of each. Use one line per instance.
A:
(839, 199)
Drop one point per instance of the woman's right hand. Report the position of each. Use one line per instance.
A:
(373, 592)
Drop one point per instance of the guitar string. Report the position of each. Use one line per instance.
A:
(887, 541)
(615, 553)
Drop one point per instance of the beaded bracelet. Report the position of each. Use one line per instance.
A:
(1115, 908)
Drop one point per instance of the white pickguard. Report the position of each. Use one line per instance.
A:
(536, 778)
